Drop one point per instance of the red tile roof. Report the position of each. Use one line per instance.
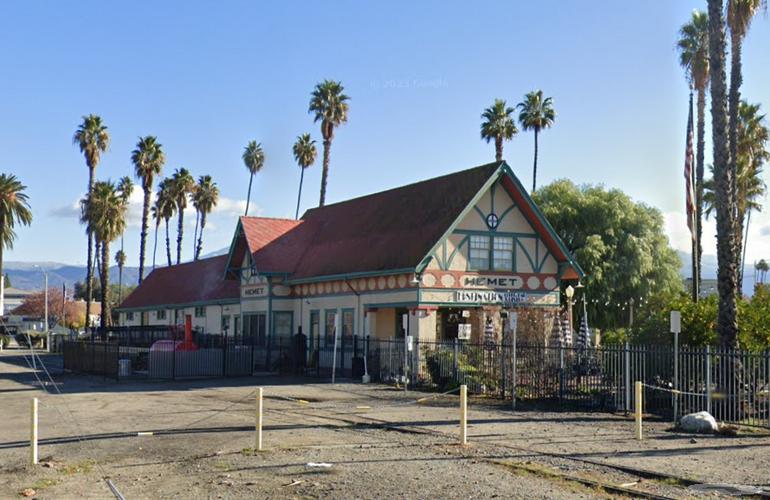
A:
(187, 283)
(389, 230)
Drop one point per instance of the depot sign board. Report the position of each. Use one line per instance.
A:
(254, 291)
(483, 297)
(491, 282)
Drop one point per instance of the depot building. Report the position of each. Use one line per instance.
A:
(464, 248)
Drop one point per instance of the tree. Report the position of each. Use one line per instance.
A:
(125, 188)
(694, 58)
(182, 184)
(498, 125)
(739, 16)
(120, 260)
(762, 268)
(536, 114)
(93, 139)
(620, 244)
(752, 152)
(305, 154)
(329, 105)
(14, 210)
(727, 275)
(148, 160)
(254, 159)
(105, 211)
(164, 209)
(205, 197)
(7, 281)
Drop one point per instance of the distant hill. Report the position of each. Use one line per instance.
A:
(25, 276)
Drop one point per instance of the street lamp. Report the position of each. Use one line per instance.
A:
(47, 333)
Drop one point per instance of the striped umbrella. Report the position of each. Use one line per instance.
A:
(557, 336)
(584, 334)
(566, 332)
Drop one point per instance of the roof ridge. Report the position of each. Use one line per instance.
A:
(458, 172)
(251, 217)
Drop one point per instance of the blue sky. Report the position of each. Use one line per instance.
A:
(206, 78)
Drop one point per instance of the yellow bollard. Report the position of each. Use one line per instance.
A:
(638, 409)
(259, 420)
(33, 433)
(463, 414)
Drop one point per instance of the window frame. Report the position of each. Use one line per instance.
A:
(488, 250)
(329, 336)
(494, 251)
(161, 314)
(202, 310)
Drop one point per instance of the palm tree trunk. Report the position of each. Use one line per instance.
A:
(299, 194)
(200, 236)
(534, 168)
(699, 170)
(105, 282)
(727, 325)
(179, 235)
(498, 148)
(195, 236)
(248, 196)
(168, 245)
(736, 79)
(743, 260)
(325, 171)
(120, 283)
(155, 245)
(143, 237)
(90, 257)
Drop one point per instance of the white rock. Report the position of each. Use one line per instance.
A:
(701, 422)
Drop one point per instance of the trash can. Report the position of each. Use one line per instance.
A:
(124, 367)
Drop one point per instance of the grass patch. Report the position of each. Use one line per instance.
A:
(532, 469)
(43, 483)
(252, 452)
(83, 467)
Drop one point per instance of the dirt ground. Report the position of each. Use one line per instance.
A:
(347, 440)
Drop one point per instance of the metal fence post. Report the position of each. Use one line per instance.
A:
(674, 394)
(501, 355)
(454, 360)
(513, 373)
(708, 379)
(627, 376)
(561, 372)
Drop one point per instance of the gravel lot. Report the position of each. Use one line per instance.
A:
(379, 442)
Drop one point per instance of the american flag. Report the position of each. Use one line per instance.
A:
(689, 175)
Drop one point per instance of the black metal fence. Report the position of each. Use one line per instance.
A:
(732, 385)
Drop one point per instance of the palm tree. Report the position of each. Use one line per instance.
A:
(305, 154)
(182, 185)
(762, 268)
(93, 139)
(330, 107)
(204, 198)
(14, 209)
(120, 260)
(498, 126)
(148, 160)
(105, 210)
(739, 16)
(694, 58)
(125, 188)
(727, 282)
(752, 140)
(164, 209)
(254, 159)
(536, 114)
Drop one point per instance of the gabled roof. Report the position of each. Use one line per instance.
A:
(185, 284)
(385, 231)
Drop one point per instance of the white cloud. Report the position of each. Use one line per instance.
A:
(69, 211)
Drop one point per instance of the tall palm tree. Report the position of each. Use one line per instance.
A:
(105, 210)
(93, 139)
(305, 154)
(125, 187)
(694, 58)
(254, 159)
(164, 209)
(762, 268)
(14, 209)
(739, 16)
(148, 160)
(752, 141)
(205, 197)
(329, 105)
(120, 260)
(498, 126)
(536, 114)
(727, 275)
(182, 185)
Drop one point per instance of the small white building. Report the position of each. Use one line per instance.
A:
(461, 248)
